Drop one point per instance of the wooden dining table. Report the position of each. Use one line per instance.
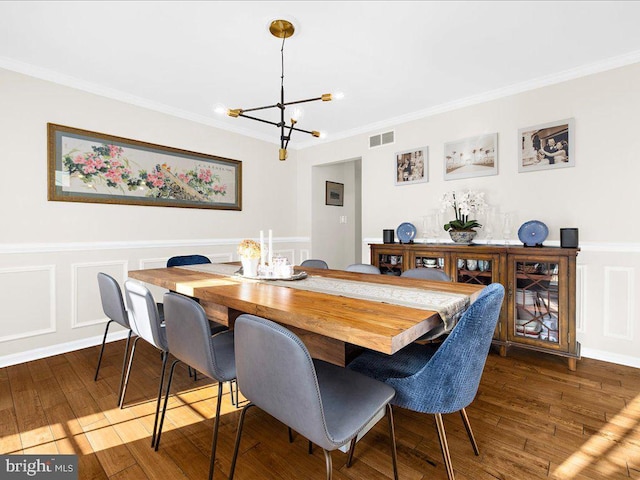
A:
(333, 327)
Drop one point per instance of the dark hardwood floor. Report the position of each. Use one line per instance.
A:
(532, 417)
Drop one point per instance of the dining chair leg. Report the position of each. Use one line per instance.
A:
(290, 435)
(235, 398)
(104, 339)
(327, 459)
(216, 424)
(165, 356)
(392, 434)
(444, 446)
(310, 449)
(124, 363)
(467, 426)
(126, 378)
(236, 448)
(164, 408)
(352, 448)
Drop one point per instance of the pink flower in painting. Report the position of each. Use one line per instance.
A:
(89, 168)
(79, 160)
(184, 177)
(219, 188)
(205, 175)
(115, 175)
(115, 151)
(116, 163)
(156, 179)
(98, 163)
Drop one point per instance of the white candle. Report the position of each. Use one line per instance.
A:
(270, 247)
(262, 252)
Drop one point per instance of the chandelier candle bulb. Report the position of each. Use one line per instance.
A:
(270, 247)
(262, 252)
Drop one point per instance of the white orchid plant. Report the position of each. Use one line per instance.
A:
(464, 205)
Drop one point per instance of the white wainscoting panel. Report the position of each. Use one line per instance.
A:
(86, 306)
(28, 299)
(147, 263)
(619, 302)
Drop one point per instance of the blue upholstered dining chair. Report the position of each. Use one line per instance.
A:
(181, 260)
(441, 378)
(314, 263)
(427, 274)
(363, 268)
(327, 404)
(190, 342)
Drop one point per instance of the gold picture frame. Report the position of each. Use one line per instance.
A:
(86, 166)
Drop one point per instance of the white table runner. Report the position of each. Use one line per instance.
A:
(450, 306)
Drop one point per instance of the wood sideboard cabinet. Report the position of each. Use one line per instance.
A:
(539, 311)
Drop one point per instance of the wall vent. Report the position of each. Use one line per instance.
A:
(381, 139)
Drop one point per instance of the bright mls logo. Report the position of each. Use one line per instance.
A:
(49, 467)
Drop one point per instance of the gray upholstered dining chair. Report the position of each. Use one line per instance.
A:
(442, 378)
(146, 323)
(114, 309)
(363, 268)
(327, 404)
(314, 263)
(427, 274)
(183, 260)
(190, 342)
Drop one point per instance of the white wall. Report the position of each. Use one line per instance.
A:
(50, 252)
(598, 195)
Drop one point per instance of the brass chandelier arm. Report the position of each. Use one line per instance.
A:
(259, 119)
(259, 108)
(277, 105)
(313, 132)
(310, 132)
(304, 101)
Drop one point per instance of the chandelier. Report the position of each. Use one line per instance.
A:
(282, 29)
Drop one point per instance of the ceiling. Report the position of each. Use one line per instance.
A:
(394, 61)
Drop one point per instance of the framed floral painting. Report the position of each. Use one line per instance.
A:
(92, 167)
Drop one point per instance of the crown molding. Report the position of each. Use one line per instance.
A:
(540, 82)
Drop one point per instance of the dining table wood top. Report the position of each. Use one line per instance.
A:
(376, 325)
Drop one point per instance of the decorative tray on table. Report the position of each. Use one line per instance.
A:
(295, 276)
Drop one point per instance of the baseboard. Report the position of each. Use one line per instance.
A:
(610, 357)
(44, 352)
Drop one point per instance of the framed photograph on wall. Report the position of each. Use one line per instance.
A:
(547, 146)
(411, 166)
(93, 167)
(471, 157)
(334, 194)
